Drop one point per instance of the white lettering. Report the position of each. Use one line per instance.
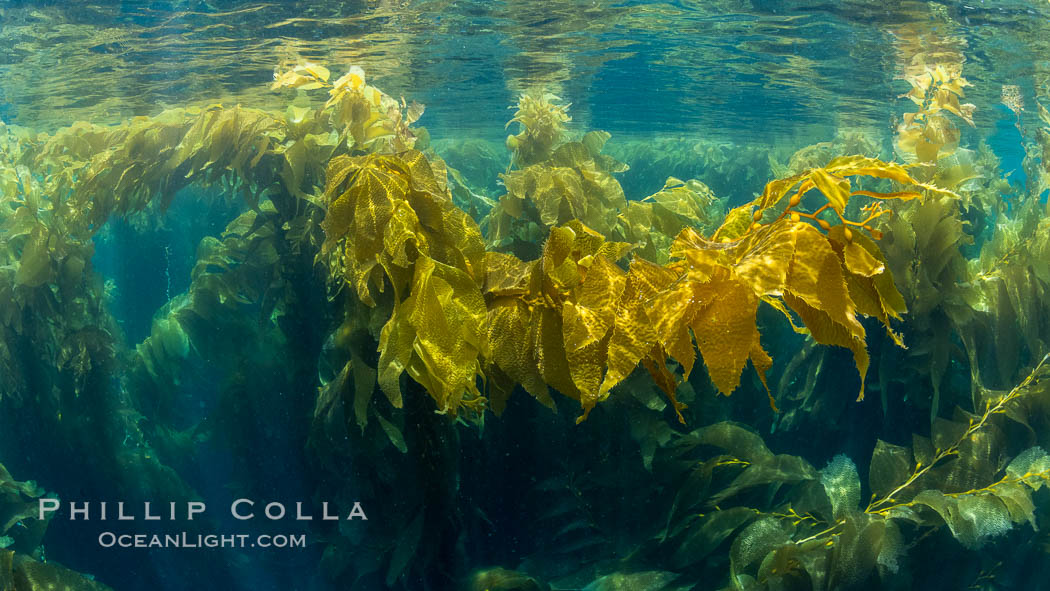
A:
(236, 514)
(325, 514)
(272, 517)
(357, 511)
(47, 506)
(74, 511)
(194, 508)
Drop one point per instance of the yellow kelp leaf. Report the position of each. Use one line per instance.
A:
(402, 235)
(702, 257)
(317, 71)
(290, 79)
(306, 76)
(679, 346)
(816, 277)
(572, 155)
(445, 312)
(651, 224)
(567, 304)
(371, 198)
(924, 149)
(737, 222)
(691, 199)
(386, 208)
(671, 311)
(595, 140)
(937, 138)
(859, 261)
(865, 166)
(764, 257)
(549, 344)
(354, 79)
(657, 368)
(773, 193)
(297, 114)
(649, 279)
(614, 251)
(587, 320)
(633, 334)
(559, 267)
(762, 363)
(557, 193)
(835, 189)
(949, 101)
(827, 331)
(724, 328)
(874, 294)
(398, 228)
(590, 311)
(505, 274)
(395, 354)
(510, 346)
(456, 239)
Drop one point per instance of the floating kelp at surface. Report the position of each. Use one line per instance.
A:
(928, 134)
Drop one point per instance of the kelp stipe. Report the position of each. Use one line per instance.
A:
(962, 491)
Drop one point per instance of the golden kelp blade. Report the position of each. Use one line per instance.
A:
(713, 289)
(446, 311)
(570, 301)
(398, 230)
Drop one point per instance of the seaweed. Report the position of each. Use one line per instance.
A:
(572, 181)
(788, 523)
(542, 123)
(23, 563)
(927, 134)
(399, 230)
(357, 264)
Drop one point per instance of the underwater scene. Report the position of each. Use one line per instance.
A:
(563, 295)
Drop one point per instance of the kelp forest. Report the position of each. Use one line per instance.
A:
(562, 361)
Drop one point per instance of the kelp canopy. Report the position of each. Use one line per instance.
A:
(370, 308)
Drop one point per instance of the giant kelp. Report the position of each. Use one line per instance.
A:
(399, 231)
(790, 524)
(390, 213)
(59, 340)
(355, 268)
(23, 565)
